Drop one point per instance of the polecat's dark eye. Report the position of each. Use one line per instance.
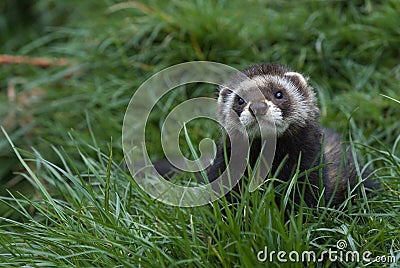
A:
(278, 95)
(240, 101)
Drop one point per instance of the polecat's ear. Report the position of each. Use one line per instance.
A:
(224, 92)
(297, 78)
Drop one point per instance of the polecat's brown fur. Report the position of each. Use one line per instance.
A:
(288, 103)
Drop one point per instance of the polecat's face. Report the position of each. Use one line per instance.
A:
(274, 104)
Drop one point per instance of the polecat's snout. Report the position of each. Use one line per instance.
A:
(258, 108)
(262, 115)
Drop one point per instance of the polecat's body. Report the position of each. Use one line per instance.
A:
(288, 107)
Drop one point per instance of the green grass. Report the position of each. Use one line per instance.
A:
(67, 202)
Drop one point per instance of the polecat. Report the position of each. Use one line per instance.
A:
(290, 104)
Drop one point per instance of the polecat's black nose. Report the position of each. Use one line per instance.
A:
(258, 108)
